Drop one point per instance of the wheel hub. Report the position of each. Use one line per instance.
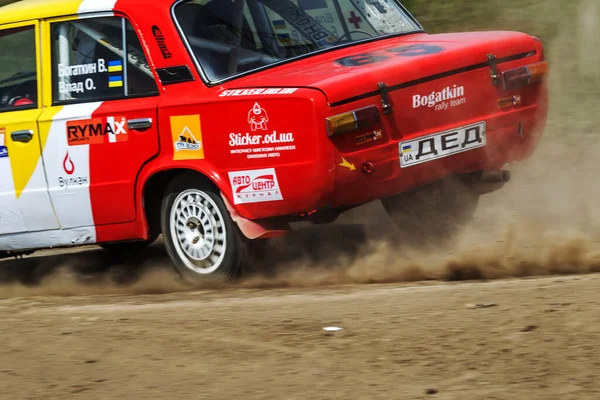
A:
(195, 231)
(198, 229)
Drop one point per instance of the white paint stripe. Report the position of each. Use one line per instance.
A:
(70, 194)
(32, 210)
(88, 6)
(35, 204)
(10, 216)
(112, 138)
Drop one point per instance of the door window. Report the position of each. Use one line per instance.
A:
(98, 59)
(18, 75)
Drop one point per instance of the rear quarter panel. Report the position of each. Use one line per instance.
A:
(286, 136)
(300, 165)
(513, 132)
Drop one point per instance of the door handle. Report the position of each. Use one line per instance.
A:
(24, 136)
(139, 124)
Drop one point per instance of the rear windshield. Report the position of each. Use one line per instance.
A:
(229, 37)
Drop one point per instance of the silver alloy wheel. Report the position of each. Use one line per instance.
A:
(198, 231)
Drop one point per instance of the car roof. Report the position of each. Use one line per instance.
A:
(26, 10)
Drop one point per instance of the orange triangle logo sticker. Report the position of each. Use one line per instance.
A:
(187, 137)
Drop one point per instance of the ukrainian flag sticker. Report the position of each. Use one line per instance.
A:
(115, 81)
(115, 66)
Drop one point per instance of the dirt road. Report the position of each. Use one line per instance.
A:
(86, 326)
(535, 339)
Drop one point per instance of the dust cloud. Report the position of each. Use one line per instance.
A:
(88, 273)
(545, 221)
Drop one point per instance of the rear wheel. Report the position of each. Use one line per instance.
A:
(432, 214)
(202, 240)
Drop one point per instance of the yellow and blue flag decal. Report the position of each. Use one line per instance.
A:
(115, 81)
(279, 24)
(115, 66)
(284, 37)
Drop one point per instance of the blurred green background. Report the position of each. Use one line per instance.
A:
(570, 31)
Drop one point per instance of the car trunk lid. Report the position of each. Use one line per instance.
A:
(354, 72)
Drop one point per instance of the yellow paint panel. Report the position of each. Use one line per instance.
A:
(37, 9)
(187, 137)
(23, 157)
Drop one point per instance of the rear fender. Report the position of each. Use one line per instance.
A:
(206, 169)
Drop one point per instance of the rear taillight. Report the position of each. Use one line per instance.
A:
(353, 121)
(539, 48)
(526, 75)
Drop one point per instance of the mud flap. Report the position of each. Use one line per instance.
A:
(256, 229)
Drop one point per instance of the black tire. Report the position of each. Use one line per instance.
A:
(228, 243)
(127, 248)
(434, 214)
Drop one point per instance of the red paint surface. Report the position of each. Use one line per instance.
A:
(310, 176)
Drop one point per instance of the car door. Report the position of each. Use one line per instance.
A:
(100, 121)
(24, 201)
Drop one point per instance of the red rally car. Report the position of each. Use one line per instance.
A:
(217, 123)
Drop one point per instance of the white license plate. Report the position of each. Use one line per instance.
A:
(442, 144)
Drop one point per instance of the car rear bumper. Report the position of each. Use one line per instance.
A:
(379, 174)
(349, 175)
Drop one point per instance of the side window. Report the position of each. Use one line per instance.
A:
(211, 27)
(98, 59)
(18, 74)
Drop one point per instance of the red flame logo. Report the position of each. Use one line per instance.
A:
(68, 165)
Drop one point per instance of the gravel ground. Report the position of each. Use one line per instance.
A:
(503, 339)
